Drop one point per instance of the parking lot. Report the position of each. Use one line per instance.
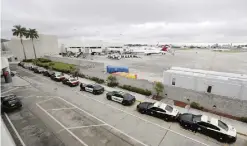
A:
(80, 118)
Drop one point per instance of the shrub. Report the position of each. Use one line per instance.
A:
(97, 80)
(196, 106)
(243, 119)
(27, 60)
(137, 90)
(112, 81)
(81, 75)
(43, 60)
(112, 84)
(158, 87)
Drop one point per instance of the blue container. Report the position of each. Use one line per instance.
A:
(112, 69)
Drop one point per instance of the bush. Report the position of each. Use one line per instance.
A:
(243, 119)
(81, 75)
(27, 60)
(43, 60)
(159, 88)
(196, 106)
(112, 84)
(97, 80)
(112, 81)
(137, 90)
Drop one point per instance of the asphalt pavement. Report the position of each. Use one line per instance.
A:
(55, 114)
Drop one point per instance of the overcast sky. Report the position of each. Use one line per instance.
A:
(140, 21)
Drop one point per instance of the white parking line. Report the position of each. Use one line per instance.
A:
(89, 126)
(126, 113)
(103, 121)
(9, 90)
(77, 138)
(45, 100)
(13, 127)
(143, 119)
(57, 109)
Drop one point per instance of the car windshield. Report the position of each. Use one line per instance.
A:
(150, 105)
(222, 125)
(169, 108)
(197, 118)
(73, 80)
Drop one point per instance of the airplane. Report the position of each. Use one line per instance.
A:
(152, 50)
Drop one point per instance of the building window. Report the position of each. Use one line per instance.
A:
(173, 81)
(209, 89)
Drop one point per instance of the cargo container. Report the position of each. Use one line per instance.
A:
(113, 69)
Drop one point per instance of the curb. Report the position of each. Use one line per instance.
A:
(242, 134)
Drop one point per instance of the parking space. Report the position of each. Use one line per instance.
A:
(95, 120)
(87, 129)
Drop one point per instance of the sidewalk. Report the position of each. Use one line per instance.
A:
(240, 126)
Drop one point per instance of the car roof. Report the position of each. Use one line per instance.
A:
(210, 120)
(160, 105)
(8, 97)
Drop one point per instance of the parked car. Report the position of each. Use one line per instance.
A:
(33, 67)
(159, 110)
(92, 88)
(57, 76)
(48, 73)
(39, 70)
(121, 97)
(10, 103)
(211, 127)
(21, 64)
(26, 65)
(71, 82)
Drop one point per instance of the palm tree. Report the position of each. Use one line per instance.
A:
(32, 34)
(20, 31)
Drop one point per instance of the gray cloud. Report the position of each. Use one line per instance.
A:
(131, 20)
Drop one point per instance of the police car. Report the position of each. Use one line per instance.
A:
(57, 76)
(71, 82)
(121, 97)
(211, 127)
(159, 110)
(92, 88)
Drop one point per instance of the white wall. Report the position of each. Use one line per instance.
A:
(45, 45)
(221, 87)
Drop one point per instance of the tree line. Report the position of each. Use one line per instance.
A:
(21, 32)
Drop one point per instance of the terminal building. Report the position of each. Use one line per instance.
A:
(44, 45)
(218, 83)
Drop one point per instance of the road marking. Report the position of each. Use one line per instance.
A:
(102, 121)
(77, 138)
(45, 100)
(89, 126)
(124, 112)
(10, 90)
(142, 119)
(13, 127)
(57, 109)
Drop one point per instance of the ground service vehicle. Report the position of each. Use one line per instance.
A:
(159, 110)
(121, 97)
(211, 127)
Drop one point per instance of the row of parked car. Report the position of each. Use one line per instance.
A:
(209, 126)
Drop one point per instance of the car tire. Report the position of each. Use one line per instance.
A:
(142, 111)
(94, 92)
(108, 97)
(221, 138)
(124, 103)
(166, 118)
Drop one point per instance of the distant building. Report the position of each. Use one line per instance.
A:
(218, 83)
(45, 45)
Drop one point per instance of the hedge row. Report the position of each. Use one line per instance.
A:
(243, 119)
(196, 106)
(137, 90)
(97, 80)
